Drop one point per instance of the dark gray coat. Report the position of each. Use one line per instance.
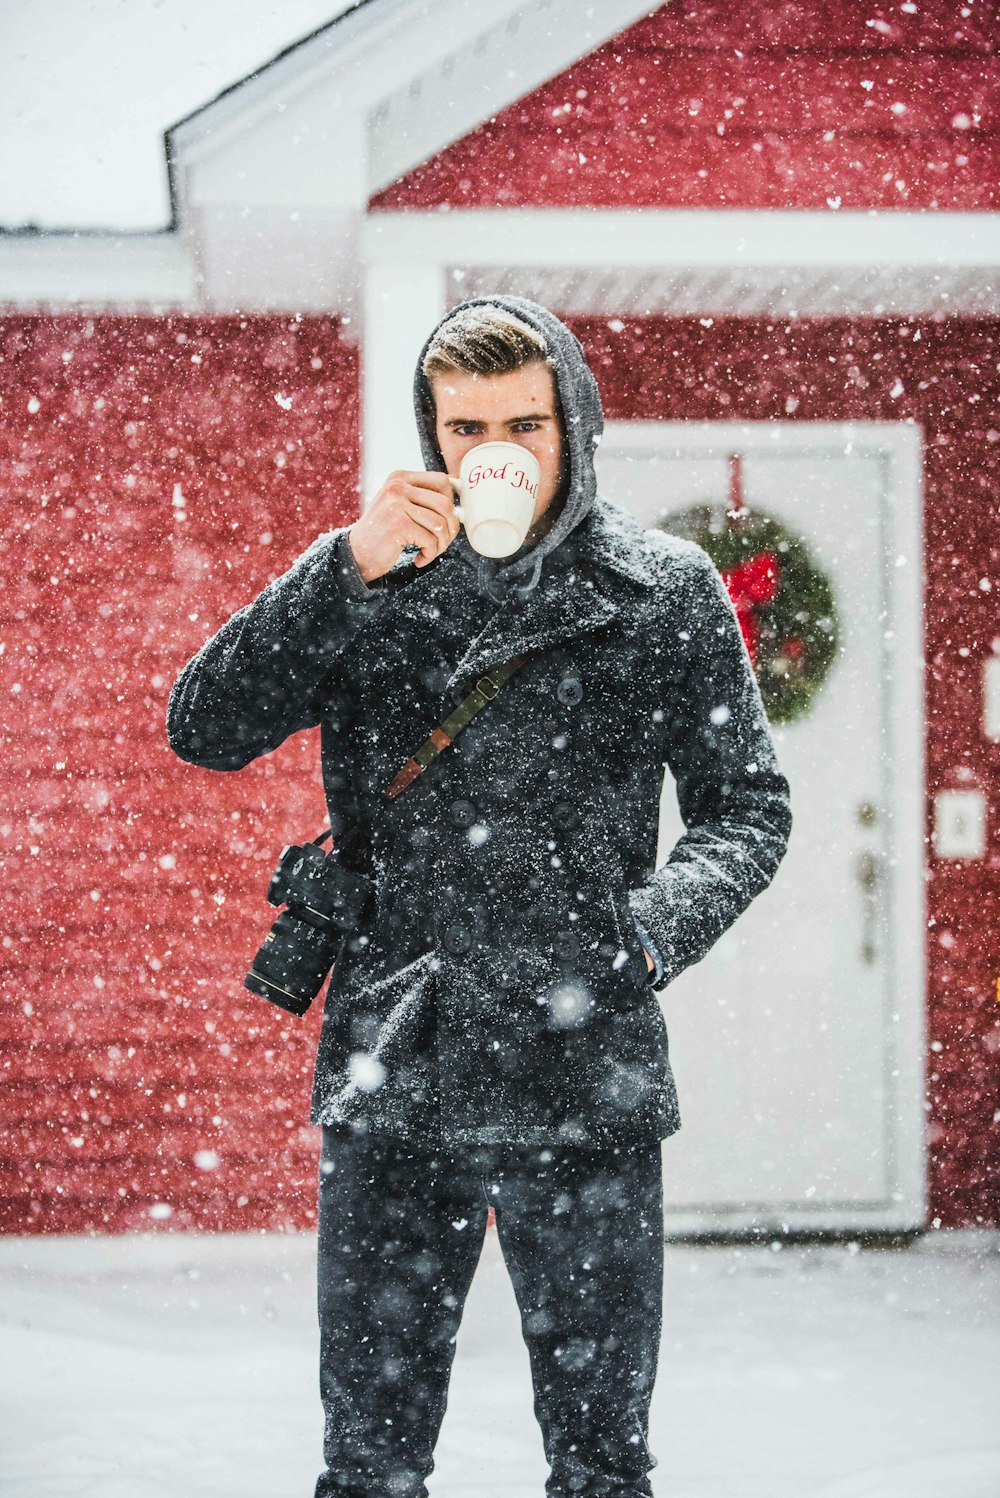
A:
(500, 992)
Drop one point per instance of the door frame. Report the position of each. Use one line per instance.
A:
(899, 448)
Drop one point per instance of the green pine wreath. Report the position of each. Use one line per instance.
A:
(795, 633)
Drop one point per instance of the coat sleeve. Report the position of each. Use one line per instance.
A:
(258, 679)
(732, 796)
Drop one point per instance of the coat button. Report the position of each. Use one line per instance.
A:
(565, 945)
(462, 812)
(570, 690)
(565, 814)
(457, 938)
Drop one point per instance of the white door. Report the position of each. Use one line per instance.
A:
(798, 1042)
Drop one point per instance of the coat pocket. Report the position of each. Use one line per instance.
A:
(376, 1058)
(599, 949)
(630, 953)
(391, 1014)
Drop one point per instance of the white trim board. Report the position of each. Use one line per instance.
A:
(724, 262)
(380, 62)
(122, 273)
(712, 262)
(899, 447)
(667, 238)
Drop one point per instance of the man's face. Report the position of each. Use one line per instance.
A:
(517, 407)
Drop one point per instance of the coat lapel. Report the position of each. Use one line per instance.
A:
(579, 591)
(547, 616)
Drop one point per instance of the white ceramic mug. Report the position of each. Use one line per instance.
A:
(498, 486)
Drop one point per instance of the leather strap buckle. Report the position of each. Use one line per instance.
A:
(484, 691)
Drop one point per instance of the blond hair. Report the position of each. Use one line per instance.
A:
(483, 340)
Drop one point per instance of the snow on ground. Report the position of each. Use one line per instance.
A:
(158, 1365)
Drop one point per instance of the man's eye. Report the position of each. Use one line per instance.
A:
(467, 427)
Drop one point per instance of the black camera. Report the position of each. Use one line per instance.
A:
(325, 903)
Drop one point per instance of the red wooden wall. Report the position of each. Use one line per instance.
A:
(138, 1075)
(713, 104)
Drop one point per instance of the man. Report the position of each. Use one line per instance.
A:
(493, 1037)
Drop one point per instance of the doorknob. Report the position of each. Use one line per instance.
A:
(868, 870)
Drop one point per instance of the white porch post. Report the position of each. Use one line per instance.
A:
(402, 303)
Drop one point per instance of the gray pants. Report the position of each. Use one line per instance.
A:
(401, 1228)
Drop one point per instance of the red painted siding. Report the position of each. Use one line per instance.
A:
(128, 1042)
(135, 885)
(709, 105)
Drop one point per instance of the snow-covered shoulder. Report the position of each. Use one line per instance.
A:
(667, 552)
(670, 564)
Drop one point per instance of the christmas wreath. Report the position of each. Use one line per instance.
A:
(783, 600)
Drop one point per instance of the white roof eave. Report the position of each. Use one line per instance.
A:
(271, 183)
(395, 83)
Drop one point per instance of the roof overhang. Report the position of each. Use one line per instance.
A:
(270, 181)
(270, 184)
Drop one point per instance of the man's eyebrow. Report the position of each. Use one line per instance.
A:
(473, 421)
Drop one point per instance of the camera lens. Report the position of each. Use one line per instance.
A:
(292, 963)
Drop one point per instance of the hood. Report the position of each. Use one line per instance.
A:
(583, 419)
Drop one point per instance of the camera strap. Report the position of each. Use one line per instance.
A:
(484, 691)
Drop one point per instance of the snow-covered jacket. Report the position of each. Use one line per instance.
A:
(500, 992)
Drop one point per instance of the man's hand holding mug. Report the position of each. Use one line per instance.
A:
(410, 509)
(498, 486)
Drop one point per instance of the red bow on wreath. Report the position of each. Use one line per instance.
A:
(751, 584)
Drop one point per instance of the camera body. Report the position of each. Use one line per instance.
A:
(325, 902)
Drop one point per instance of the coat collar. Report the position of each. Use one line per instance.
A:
(580, 590)
(612, 538)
